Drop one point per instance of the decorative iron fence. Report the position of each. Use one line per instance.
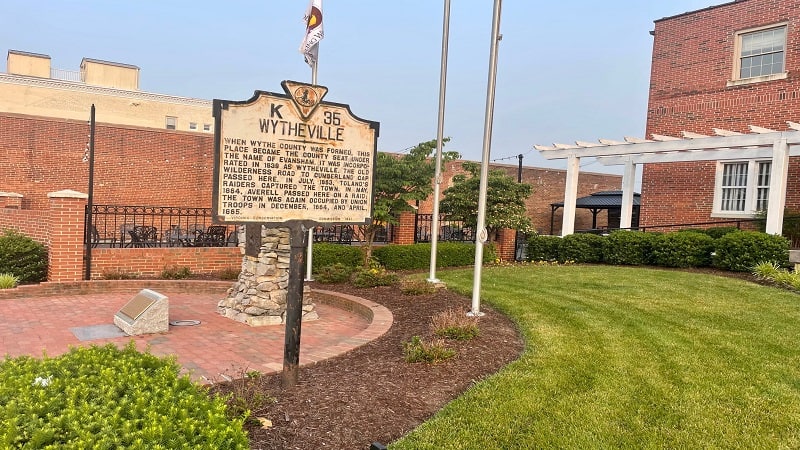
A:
(449, 230)
(350, 234)
(157, 226)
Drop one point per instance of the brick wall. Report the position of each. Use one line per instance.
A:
(150, 262)
(133, 166)
(34, 224)
(693, 59)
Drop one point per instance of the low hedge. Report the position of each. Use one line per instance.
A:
(682, 249)
(581, 248)
(742, 250)
(22, 257)
(418, 256)
(629, 247)
(543, 248)
(326, 254)
(105, 397)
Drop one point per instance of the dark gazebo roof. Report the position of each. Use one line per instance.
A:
(600, 200)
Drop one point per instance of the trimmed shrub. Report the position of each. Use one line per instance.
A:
(105, 397)
(418, 256)
(682, 249)
(326, 254)
(743, 250)
(22, 257)
(629, 247)
(581, 248)
(543, 248)
(718, 232)
(335, 273)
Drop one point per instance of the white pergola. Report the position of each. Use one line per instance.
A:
(760, 143)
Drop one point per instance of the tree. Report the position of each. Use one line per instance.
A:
(505, 200)
(400, 180)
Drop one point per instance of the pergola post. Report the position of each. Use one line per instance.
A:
(628, 183)
(777, 186)
(570, 195)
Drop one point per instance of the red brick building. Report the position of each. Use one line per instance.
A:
(726, 67)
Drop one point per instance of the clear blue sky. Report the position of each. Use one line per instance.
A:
(568, 70)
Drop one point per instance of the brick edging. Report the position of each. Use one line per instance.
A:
(97, 286)
(379, 317)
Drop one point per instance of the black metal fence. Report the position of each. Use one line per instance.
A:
(350, 234)
(157, 226)
(449, 230)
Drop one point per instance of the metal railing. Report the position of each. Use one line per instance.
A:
(124, 226)
(66, 75)
(350, 234)
(449, 230)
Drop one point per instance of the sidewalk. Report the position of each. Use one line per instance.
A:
(216, 346)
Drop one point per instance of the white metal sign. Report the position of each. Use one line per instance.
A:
(292, 157)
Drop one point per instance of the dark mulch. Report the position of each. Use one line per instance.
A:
(371, 394)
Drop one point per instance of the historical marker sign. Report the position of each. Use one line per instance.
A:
(280, 158)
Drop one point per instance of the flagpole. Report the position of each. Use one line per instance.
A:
(439, 136)
(310, 253)
(482, 234)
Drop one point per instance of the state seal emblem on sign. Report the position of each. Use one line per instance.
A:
(305, 96)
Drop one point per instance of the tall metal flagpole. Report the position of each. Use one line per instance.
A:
(487, 149)
(310, 254)
(439, 136)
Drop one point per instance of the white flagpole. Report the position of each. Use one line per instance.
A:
(439, 136)
(482, 234)
(310, 249)
(310, 253)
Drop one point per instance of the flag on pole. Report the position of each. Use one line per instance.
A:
(310, 46)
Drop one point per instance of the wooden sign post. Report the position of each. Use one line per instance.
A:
(292, 160)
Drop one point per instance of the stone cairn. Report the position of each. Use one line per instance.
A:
(259, 296)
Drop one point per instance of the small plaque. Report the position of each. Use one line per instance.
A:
(137, 305)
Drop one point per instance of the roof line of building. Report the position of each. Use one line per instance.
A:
(101, 90)
(698, 10)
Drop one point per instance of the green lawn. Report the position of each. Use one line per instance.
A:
(623, 357)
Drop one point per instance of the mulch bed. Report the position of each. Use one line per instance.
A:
(371, 394)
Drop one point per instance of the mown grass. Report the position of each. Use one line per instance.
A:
(622, 357)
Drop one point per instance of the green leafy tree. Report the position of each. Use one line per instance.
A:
(399, 181)
(505, 200)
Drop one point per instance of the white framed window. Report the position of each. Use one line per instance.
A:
(742, 188)
(192, 125)
(172, 123)
(759, 55)
(206, 127)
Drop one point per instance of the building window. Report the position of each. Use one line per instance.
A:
(192, 125)
(760, 55)
(206, 127)
(172, 123)
(742, 188)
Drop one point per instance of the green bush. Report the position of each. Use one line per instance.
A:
(105, 397)
(335, 273)
(8, 281)
(543, 248)
(176, 273)
(682, 249)
(418, 350)
(581, 248)
(418, 256)
(326, 254)
(629, 247)
(22, 257)
(743, 250)
(718, 232)
(413, 286)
